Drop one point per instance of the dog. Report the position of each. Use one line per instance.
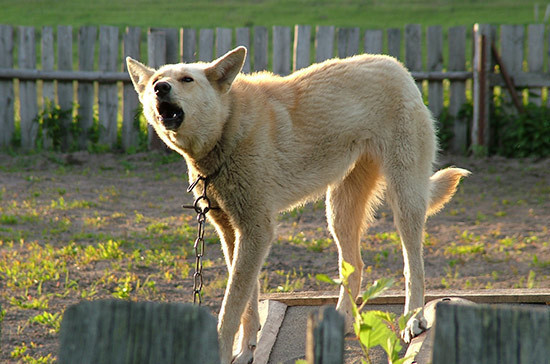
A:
(355, 129)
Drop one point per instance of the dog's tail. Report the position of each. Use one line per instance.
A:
(443, 186)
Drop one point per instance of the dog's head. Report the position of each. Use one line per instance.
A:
(183, 102)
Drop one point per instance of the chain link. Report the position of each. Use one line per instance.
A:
(199, 241)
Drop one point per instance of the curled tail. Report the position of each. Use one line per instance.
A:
(443, 186)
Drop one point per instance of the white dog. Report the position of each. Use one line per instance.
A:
(353, 128)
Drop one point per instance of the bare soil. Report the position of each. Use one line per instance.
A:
(493, 234)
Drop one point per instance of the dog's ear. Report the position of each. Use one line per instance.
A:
(139, 73)
(223, 70)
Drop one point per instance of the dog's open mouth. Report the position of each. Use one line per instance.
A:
(170, 115)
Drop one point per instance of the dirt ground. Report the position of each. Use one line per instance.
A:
(112, 226)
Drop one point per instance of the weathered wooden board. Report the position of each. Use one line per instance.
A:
(206, 45)
(243, 39)
(260, 48)
(302, 42)
(188, 45)
(511, 53)
(434, 41)
(535, 57)
(324, 43)
(130, 101)
(272, 314)
(413, 49)
(65, 89)
(457, 89)
(224, 41)
(122, 332)
(7, 116)
(156, 55)
(28, 105)
(325, 337)
(281, 50)
(394, 42)
(374, 41)
(108, 92)
(87, 37)
(47, 57)
(348, 42)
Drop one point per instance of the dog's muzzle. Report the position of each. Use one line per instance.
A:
(169, 114)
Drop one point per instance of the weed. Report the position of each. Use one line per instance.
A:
(52, 321)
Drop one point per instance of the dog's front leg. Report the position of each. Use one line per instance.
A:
(250, 250)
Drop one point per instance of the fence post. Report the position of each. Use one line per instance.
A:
(130, 101)
(188, 45)
(373, 41)
(48, 90)
(348, 42)
(394, 42)
(481, 67)
(325, 337)
(511, 53)
(535, 58)
(281, 50)
(243, 39)
(491, 334)
(434, 42)
(324, 43)
(87, 36)
(206, 45)
(7, 117)
(413, 49)
(260, 48)
(224, 41)
(28, 108)
(122, 332)
(457, 89)
(65, 91)
(302, 38)
(108, 92)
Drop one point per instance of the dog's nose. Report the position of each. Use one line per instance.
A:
(162, 88)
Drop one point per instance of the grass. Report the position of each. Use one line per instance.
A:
(234, 13)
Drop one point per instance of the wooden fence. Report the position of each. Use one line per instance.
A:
(38, 67)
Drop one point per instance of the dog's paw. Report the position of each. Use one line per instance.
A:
(415, 326)
(246, 356)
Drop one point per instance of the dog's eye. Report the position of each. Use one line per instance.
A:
(186, 79)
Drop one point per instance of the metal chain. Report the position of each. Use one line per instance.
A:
(199, 241)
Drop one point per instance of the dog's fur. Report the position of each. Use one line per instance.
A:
(353, 128)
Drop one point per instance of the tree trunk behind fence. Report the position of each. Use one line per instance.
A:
(325, 337)
(122, 332)
(491, 334)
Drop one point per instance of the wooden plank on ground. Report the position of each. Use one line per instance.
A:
(324, 43)
(189, 45)
(373, 41)
(206, 45)
(413, 49)
(116, 331)
(272, 314)
(47, 56)
(518, 295)
(457, 89)
(65, 89)
(243, 39)
(491, 334)
(7, 116)
(130, 101)
(28, 109)
(302, 45)
(281, 50)
(260, 48)
(434, 40)
(108, 92)
(87, 37)
(535, 58)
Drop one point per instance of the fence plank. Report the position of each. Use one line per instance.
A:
(172, 44)
(325, 337)
(117, 331)
(535, 57)
(130, 101)
(413, 49)
(324, 43)
(457, 89)
(511, 52)
(189, 45)
(224, 41)
(65, 90)
(302, 45)
(243, 39)
(47, 56)
(156, 55)
(7, 117)
(87, 37)
(491, 334)
(481, 65)
(434, 38)
(348, 42)
(108, 92)
(206, 45)
(260, 48)
(28, 109)
(281, 50)
(373, 41)
(394, 42)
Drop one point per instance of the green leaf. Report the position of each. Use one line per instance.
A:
(373, 330)
(325, 278)
(347, 270)
(377, 288)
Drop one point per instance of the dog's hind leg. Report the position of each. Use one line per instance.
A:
(350, 205)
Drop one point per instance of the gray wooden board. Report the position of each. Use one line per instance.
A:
(65, 90)
(130, 101)
(87, 37)
(394, 42)
(457, 89)
(348, 42)
(413, 49)
(374, 41)
(189, 45)
(224, 41)
(535, 57)
(302, 41)
(511, 53)
(156, 55)
(243, 39)
(281, 50)
(7, 116)
(206, 45)
(324, 43)
(28, 104)
(260, 48)
(434, 41)
(108, 92)
(47, 57)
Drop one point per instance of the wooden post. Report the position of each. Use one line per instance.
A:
(206, 45)
(87, 37)
(481, 68)
(324, 43)
(535, 58)
(108, 92)
(243, 39)
(457, 89)
(156, 55)
(7, 117)
(48, 90)
(281, 50)
(130, 101)
(325, 337)
(28, 106)
(348, 42)
(224, 41)
(434, 40)
(260, 48)
(394, 42)
(413, 49)
(188, 45)
(65, 90)
(491, 334)
(373, 41)
(122, 332)
(302, 37)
